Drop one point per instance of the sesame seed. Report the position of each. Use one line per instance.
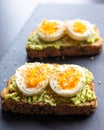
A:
(92, 58)
(99, 82)
(4, 80)
(15, 62)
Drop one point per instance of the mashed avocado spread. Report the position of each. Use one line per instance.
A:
(50, 97)
(37, 44)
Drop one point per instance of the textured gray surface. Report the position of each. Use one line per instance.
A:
(16, 56)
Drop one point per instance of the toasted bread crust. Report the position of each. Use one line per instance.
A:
(40, 108)
(66, 51)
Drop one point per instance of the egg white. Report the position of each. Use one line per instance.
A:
(52, 37)
(66, 92)
(75, 35)
(20, 81)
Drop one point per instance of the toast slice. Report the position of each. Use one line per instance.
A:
(37, 48)
(64, 107)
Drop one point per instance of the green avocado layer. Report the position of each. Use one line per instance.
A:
(35, 43)
(48, 96)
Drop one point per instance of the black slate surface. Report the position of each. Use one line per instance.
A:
(16, 56)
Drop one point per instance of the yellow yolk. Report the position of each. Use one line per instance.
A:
(69, 78)
(34, 75)
(79, 27)
(48, 27)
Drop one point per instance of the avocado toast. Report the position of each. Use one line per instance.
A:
(43, 44)
(71, 94)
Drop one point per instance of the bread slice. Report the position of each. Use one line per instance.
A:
(40, 108)
(84, 108)
(36, 48)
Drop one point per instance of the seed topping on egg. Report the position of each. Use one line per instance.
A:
(48, 27)
(33, 78)
(79, 27)
(51, 30)
(34, 75)
(68, 82)
(69, 79)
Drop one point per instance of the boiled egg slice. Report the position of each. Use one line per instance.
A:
(79, 29)
(50, 30)
(69, 82)
(33, 78)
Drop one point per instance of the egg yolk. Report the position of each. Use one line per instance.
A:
(33, 76)
(69, 79)
(48, 27)
(79, 27)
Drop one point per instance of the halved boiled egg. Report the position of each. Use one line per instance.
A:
(50, 30)
(79, 29)
(33, 78)
(68, 82)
